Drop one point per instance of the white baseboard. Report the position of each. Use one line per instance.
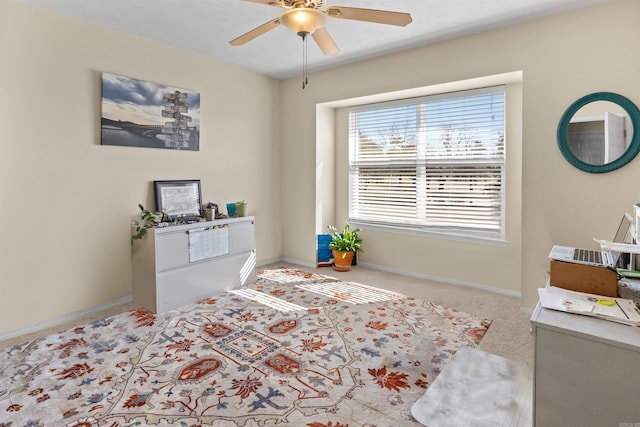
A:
(65, 318)
(290, 261)
(264, 262)
(412, 274)
(442, 280)
(527, 310)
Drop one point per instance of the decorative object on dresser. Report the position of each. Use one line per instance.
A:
(231, 209)
(211, 212)
(241, 208)
(149, 220)
(179, 199)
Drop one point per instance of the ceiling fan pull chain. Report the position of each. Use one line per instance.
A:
(306, 66)
(305, 81)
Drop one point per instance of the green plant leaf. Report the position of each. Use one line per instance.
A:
(346, 240)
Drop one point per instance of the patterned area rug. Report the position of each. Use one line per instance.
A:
(242, 360)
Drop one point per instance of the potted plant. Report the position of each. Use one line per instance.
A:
(150, 220)
(344, 244)
(241, 208)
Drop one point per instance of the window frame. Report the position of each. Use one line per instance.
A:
(404, 226)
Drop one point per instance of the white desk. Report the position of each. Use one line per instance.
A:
(586, 371)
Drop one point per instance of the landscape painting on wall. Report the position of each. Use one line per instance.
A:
(136, 113)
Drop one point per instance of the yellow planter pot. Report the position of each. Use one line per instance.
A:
(241, 209)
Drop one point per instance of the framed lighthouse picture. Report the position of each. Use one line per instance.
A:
(137, 113)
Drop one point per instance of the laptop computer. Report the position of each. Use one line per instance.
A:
(598, 258)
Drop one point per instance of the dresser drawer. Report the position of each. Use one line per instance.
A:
(172, 250)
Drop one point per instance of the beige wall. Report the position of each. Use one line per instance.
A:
(66, 201)
(562, 58)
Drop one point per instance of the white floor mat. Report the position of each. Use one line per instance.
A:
(477, 389)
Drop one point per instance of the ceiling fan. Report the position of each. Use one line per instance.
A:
(305, 17)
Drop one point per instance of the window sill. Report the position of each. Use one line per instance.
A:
(417, 231)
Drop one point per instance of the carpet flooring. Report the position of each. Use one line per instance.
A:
(300, 349)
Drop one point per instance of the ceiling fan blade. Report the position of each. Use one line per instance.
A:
(258, 31)
(275, 3)
(325, 42)
(370, 15)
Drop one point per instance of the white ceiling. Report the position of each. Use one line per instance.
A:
(206, 26)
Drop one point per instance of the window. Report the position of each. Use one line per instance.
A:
(434, 163)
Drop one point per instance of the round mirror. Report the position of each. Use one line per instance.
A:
(600, 132)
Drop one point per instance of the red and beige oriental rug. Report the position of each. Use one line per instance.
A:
(294, 349)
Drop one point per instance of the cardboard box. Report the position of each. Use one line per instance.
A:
(584, 278)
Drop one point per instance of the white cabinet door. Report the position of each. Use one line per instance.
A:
(205, 279)
(241, 237)
(172, 250)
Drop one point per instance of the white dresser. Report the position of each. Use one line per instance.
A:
(586, 371)
(181, 264)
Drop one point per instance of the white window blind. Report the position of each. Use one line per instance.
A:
(435, 163)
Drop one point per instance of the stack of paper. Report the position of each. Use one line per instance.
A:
(614, 309)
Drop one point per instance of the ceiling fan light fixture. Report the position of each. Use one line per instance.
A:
(303, 20)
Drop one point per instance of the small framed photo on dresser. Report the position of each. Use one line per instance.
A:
(182, 198)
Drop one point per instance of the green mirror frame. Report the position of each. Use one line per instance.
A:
(629, 154)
